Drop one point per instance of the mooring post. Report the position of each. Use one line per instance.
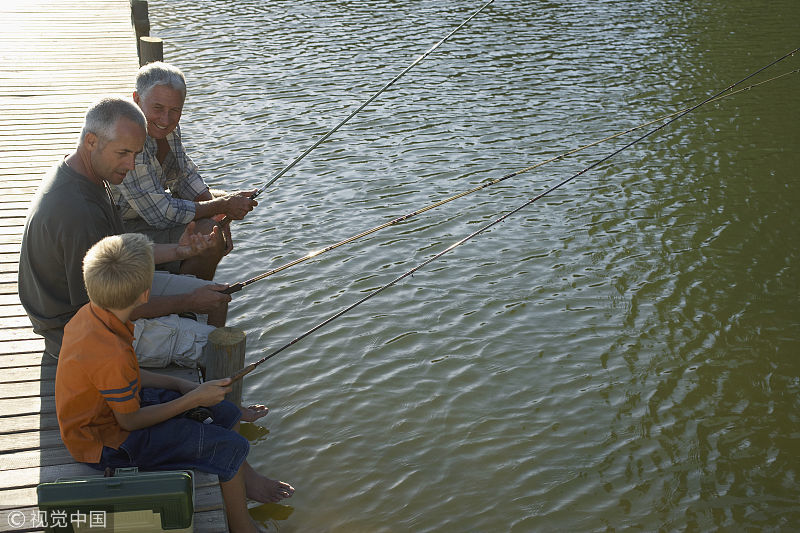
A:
(150, 49)
(224, 356)
(140, 18)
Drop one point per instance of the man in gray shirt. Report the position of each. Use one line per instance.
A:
(73, 210)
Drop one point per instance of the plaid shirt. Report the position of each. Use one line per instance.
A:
(161, 195)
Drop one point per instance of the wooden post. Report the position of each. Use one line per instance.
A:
(140, 18)
(224, 355)
(150, 49)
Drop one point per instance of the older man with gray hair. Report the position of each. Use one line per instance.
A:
(73, 210)
(164, 191)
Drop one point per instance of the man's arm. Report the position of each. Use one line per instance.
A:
(205, 300)
(143, 191)
(206, 394)
(234, 205)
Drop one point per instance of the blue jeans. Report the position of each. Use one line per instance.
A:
(181, 443)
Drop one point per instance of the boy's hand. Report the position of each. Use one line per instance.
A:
(211, 392)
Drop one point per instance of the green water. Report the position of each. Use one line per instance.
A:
(622, 355)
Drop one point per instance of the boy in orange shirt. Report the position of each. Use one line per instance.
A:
(113, 414)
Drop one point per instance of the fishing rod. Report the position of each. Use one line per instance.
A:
(236, 287)
(362, 106)
(252, 366)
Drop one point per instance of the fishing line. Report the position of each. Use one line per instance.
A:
(252, 366)
(236, 287)
(362, 106)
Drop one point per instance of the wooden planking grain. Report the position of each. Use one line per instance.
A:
(17, 334)
(14, 424)
(39, 439)
(14, 360)
(26, 406)
(28, 373)
(68, 54)
(23, 346)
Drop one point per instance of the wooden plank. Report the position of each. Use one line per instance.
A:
(34, 459)
(24, 389)
(9, 267)
(17, 334)
(13, 320)
(14, 360)
(15, 424)
(26, 406)
(27, 373)
(44, 93)
(39, 439)
(24, 346)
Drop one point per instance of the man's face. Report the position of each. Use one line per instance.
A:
(113, 158)
(162, 105)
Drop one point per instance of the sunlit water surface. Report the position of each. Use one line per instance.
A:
(622, 354)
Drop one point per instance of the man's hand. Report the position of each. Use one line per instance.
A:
(238, 204)
(208, 298)
(211, 392)
(192, 243)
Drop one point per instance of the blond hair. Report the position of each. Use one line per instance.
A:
(118, 269)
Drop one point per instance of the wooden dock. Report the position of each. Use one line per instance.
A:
(56, 57)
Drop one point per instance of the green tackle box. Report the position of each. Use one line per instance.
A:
(128, 501)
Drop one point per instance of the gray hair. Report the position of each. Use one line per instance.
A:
(102, 117)
(159, 73)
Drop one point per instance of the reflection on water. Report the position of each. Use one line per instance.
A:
(621, 355)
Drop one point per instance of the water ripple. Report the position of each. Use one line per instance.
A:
(620, 355)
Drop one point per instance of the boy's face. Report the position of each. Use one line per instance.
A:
(113, 158)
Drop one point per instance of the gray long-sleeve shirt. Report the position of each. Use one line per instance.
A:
(67, 217)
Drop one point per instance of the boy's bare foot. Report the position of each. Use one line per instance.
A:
(264, 489)
(253, 412)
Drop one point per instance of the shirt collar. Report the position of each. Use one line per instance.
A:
(150, 143)
(114, 324)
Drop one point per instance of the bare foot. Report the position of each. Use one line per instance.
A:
(253, 412)
(264, 489)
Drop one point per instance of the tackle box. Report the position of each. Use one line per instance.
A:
(128, 501)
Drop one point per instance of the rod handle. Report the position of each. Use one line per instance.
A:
(227, 220)
(236, 287)
(242, 373)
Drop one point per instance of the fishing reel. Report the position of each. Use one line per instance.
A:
(201, 414)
